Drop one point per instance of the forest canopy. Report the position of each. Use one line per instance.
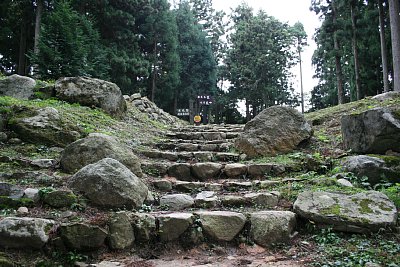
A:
(174, 53)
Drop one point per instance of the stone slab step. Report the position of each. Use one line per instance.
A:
(126, 228)
(216, 186)
(192, 156)
(209, 128)
(193, 147)
(203, 135)
(265, 227)
(210, 170)
(215, 199)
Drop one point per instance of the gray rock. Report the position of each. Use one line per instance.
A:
(31, 193)
(173, 225)
(11, 190)
(82, 237)
(17, 86)
(24, 232)
(373, 131)
(60, 198)
(183, 186)
(234, 200)
(135, 97)
(3, 137)
(373, 168)
(43, 163)
(91, 92)
(95, 147)
(177, 201)
(235, 170)
(144, 226)
(44, 126)
(14, 141)
(108, 183)
(275, 130)
(361, 212)
(121, 235)
(206, 199)
(263, 199)
(221, 225)
(271, 227)
(163, 184)
(386, 96)
(259, 170)
(22, 210)
(207, 170)
(180, 171)
(344, 182)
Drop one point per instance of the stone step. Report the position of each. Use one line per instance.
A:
(169, 185)
(200, 156)
(209, 136)
(127, 228)
(209, 128)
(215, 199)
(210, 170)
(195, 146)
(262, 227)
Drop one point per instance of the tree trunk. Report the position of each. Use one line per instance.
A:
(22, 47)
(301, 80)
(39, 12)
(339, 75)
(383, 46)
(355, 49)
(248, 117)
(154, 75)
(394, 9)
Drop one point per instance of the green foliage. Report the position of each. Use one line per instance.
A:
(393, 192)
(259, 59)
(340, 250)
(69, 45)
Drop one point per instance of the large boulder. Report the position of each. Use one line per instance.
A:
(24, 232)
(221, 225)
(275, 130)
(375, 169)
(271, 227)
(17, 86)
(373, 131)
(108, 183)
(361, 212)
(81, 236)
(43, 126)
(91, 92)
(95, 147)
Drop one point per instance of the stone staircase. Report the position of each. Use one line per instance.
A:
(199, 182)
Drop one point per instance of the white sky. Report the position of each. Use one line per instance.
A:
(290, 11)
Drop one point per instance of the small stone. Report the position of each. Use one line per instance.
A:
(344, 182)
(32, 193)
(15, 141)
(173, 225)
(164, 185)
(43, 163)
(3, 137)
(177, 201)
(22, 210)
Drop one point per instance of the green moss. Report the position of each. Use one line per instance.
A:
(7, 202)
(334, 209)
(391, 161)
(364, 206)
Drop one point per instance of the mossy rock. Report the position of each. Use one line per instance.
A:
(59, 198)
(8, 202)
